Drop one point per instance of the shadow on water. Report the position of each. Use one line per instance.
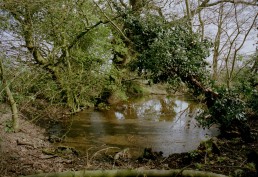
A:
(163, 123)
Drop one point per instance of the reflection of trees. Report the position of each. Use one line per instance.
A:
(180, 115)
(109, 114)
(155, 108)
(167, 109)
(150, 109)
(130, 111)
(104, 128)
(193, 108)
(185, 115)
(160, 108)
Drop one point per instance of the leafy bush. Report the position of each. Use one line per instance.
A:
(134, 88)
(246, 82)
(226, 110)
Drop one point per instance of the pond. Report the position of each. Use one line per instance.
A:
(162, 123)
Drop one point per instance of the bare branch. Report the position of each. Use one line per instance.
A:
(123, 3)
(113, 24)
(206, 4)
(241, 45)
(233, 2)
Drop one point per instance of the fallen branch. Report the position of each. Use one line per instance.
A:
(129, 173)
(24, 143)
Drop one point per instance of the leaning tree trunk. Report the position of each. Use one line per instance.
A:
(130, 173)
(210, 98)
(15, 117)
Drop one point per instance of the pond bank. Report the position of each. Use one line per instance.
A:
(22, 153)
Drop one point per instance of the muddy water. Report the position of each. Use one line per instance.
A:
(163, 123)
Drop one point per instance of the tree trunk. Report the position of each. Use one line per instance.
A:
(217, 43)
(255, 65)
(188, 13)
(15, 117)
(130, 173)
(136, 5)
(201, 22)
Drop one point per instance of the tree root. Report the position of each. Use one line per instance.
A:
(130, 173)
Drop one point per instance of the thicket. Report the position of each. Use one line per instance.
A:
(78, 62)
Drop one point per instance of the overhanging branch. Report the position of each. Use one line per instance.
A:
(83, 33)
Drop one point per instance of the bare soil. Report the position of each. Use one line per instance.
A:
(21, 152)
(29, 152)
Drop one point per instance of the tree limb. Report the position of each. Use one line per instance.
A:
(113, 24)
(12, 103)
(123, 3)
(83, 33)
(127, 173)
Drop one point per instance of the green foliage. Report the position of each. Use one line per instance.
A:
(168, 52)
(198, 165)
(113, 89)
(194, 154)
(134, 88)
(34, 83)
(120, 51)
(250, 166)
(175, 53)
(253, 102)
(73, 55)
(226, 110)
(233, 107)
(221, 159)
(82, 85)
(246, 82)
(9, 126)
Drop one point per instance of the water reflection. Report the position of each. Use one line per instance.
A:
(152, 108)
(162, 123)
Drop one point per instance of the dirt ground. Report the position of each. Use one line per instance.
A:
(29, 152)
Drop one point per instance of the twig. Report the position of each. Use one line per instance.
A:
(24, 143)
(184, 168)
(114, 25)
(88, 160)
(180, 116)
